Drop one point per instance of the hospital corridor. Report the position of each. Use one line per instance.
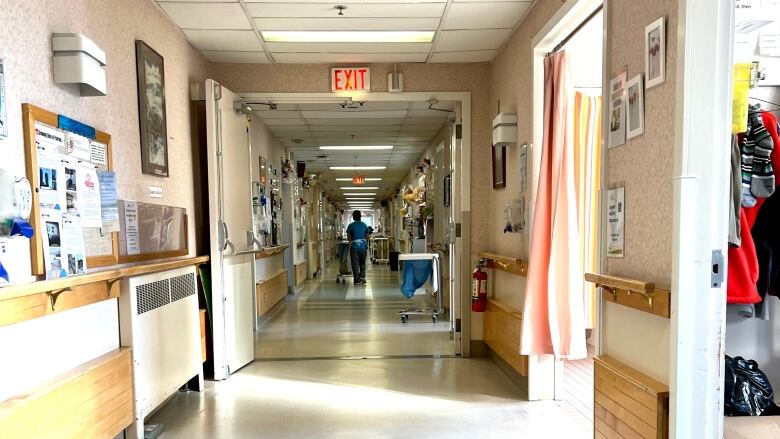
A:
(427, 219)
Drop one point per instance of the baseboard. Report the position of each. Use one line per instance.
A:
(509, 371)
(479, 349)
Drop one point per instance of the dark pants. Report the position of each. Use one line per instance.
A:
(358, 257)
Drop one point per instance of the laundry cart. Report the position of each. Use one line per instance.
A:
(345, 266)
(418, 269)
(381, 248)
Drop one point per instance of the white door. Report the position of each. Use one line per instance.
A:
(230, 220)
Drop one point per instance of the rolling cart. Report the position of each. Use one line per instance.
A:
(381, 247)
(435, 279)
(345, 266)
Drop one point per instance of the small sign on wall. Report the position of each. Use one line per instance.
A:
(350, 79)
(616, 211)
(155, 192)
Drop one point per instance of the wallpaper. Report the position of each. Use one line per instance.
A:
(25, 44)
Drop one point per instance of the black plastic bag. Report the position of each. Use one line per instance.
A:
(748, 392)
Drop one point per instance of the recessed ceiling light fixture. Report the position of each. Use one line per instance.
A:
(367, 179)
(359, 198)
(359, 188)
(347, 36)
(358, 168)
(355, 147)
(358, 194)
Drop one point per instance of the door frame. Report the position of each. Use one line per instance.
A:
(461, 183)
(701, 192)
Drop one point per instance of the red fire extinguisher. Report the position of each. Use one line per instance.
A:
(479, 290)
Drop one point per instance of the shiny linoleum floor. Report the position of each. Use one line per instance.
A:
(363, 398)
(330, 319)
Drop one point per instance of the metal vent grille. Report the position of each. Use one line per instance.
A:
(182, 286)
(152, 295)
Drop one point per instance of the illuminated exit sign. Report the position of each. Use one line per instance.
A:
(350, 79)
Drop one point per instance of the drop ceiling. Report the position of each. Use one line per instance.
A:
(230, 30)
(409, 127)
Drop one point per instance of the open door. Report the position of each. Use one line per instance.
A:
(230, 222)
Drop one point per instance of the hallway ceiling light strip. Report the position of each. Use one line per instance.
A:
(359, 188)
(358, 168)
(360, 198)
(367, 179)
(347, 36)
(356, 147)
(358, 194)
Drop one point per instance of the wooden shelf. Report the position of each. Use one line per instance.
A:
(37, 299)
(639, 295)
(502, 327)
(505, 263)
(269, 251)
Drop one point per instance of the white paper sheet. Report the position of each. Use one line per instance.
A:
(73, 245)
(108, 201)
(77, 146)
(97, 153)
(51, 180)
(54, 256)
(769, 40)
(615, 222)
(88, 196)
(131, 228)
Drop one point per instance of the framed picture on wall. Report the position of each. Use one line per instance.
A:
(150, 71)
(499, 167)
(655, 53)
(617, 110)
(636, 106)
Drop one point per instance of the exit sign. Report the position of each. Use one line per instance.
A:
(350, 79)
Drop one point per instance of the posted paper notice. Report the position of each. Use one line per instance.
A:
(615, 222)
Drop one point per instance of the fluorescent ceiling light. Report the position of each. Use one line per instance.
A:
(360, 198)
(359, 188)
(358, 168)
(367, 179)
(356, 147)
(347, 36)
(360, 195)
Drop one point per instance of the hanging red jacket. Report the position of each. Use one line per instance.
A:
(743, 262)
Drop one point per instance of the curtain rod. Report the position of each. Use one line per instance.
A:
(576, 29)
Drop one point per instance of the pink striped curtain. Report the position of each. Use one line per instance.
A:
(553, 316)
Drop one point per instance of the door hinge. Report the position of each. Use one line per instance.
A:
(217, 92)
(717, 269)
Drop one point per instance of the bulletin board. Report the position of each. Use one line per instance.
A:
(69, 167)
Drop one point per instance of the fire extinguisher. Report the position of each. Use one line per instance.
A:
(479, 290)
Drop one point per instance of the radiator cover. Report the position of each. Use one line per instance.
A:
(158, 318)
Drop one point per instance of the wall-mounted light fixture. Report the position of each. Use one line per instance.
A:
(78, 60)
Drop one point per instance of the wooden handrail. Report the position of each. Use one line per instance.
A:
(640, 295)
(505, 263)
(269, 251)
(112, 274)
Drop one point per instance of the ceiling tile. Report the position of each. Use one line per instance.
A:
(238, 40)
(349, 2)
(275, 114)
(460, 40)
(327, 58)
(484, 15)
(355, 10)
(225, 56)
(398, 114)
(350, 47)
(466, 56)
(207, 15)
(341, 23)
(284, 122)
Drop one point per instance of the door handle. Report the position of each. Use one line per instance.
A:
(224, 239)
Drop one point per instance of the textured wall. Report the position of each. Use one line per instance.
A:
(25, 44)
(313, 78)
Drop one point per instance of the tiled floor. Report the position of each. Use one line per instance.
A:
(330, 319)
(431, 398)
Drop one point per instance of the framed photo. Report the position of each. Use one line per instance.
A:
(617, 110)
(636, 106)
(499, 167)
(150, 71)
(3, 113)
(655, 53)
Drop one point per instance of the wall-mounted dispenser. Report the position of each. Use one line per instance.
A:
(505, 129)
(78, 60)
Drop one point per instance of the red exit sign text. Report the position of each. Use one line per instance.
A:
(350, 79)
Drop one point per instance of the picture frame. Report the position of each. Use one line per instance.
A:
(617, 111)
(635, 108)
(655, 53)
(150, 72)
(499, 167)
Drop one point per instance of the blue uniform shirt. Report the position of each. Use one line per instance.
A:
(358, 230)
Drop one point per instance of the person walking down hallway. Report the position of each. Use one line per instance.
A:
(358, 232)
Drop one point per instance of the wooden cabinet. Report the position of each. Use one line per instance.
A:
(271, 291)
